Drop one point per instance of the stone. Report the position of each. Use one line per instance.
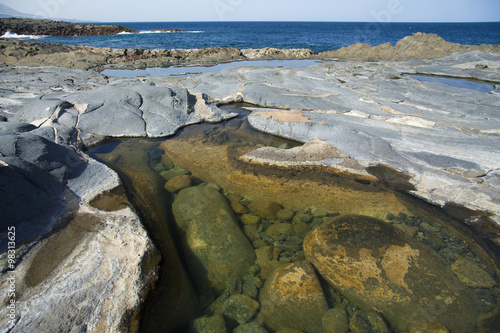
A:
(240, 308)
(250, 219)
(335, 320)
(368, 322)
(251, 232)
(408, 230)
(301, 229)
(428, 328)
(285, 214)
(178, 183)
(167, 161)
(203, 215)
(293, 298)
(264, 253)
(266, 209)
(250, 328)
(375, 266)
(205, 324)
(169, 174)
(279, 230)
(472, 275)
(239, 208)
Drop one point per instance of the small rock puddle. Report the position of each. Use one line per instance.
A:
(456, 82)
(275, 208)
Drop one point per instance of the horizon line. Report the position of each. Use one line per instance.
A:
(247, 21)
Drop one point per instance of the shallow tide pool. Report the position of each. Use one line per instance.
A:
(186, 187)
(190, 70)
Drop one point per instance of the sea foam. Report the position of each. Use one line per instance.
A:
(9, 34)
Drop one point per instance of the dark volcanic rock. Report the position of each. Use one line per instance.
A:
(57, 28)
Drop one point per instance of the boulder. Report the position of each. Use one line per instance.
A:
(375, 266)
(203, 216)
(292, 298)
(178, 183)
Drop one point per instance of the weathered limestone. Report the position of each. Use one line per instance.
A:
(372, 264)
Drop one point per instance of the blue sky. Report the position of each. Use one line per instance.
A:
(263, 10)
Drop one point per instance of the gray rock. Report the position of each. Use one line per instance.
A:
(123, 108)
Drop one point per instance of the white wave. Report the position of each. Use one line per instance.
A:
(125, 33)
(9, 34)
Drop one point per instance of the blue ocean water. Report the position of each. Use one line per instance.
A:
(317, 36)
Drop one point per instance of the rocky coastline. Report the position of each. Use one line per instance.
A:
(359, 113)
(36, 27)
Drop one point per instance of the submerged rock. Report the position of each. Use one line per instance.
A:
(372, 264)
(472, 275)
(292, 298)
(178, 183)
(204, 216)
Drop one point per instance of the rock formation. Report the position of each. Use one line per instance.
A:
(418, 46)
(56, 28)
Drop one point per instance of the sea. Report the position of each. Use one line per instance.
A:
(317, 36)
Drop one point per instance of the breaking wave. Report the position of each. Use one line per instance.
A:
(13, 35)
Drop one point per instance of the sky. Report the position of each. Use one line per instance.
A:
(263, 10)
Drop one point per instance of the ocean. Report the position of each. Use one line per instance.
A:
(317, 36)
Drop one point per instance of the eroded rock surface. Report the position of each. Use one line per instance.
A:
(68, 255)
(140, 109)
(437, 141)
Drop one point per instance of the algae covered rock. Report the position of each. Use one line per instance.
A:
(372, 264)
(216, 249)
(292, 298)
